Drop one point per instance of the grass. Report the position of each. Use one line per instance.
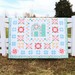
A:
(7, 31)
(37, 67)
(69, 32)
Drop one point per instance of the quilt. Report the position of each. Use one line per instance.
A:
(38, 38)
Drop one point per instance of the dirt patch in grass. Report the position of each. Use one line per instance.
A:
(37, 67)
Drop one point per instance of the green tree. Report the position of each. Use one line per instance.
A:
(63, 9)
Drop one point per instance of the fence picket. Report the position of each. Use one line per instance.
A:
(73, 36)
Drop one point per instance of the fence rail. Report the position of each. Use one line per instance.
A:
(4, 41)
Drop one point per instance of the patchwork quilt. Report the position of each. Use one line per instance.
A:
(38, 38)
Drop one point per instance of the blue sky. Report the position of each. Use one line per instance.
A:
(38, 7)
(10, 1)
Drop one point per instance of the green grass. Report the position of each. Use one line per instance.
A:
(69, 35)
(69, 32)
(7, 32)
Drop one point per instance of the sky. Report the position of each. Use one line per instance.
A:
(37, 7)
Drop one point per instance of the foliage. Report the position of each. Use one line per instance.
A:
(63, 9)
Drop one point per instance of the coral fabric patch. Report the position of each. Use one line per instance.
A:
(38, 38)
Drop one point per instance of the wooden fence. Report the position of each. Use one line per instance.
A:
(4, 41)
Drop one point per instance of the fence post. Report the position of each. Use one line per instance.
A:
(3, 37)
(73, 35)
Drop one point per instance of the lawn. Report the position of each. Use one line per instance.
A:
(37, 66)
(69, 32)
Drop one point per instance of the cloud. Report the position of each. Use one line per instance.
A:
(39, 7)
(73, 3)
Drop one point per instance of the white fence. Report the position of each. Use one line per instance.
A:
(4, 41)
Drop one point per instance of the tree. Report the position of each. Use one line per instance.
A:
(63, 9)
